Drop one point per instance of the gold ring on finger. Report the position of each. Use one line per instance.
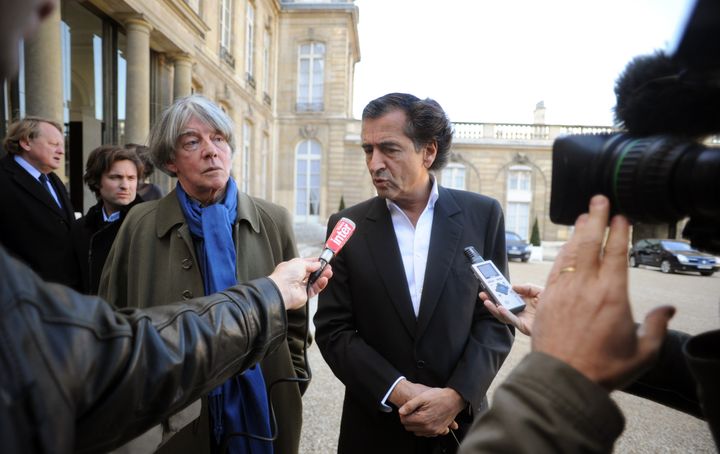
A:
(567, 269)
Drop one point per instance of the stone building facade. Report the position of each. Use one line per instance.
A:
(311, 124)
(284, 72)
(282, 69)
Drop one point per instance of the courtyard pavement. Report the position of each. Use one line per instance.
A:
(650, 427)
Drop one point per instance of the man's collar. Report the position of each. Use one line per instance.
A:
(170, 213)
(111, 218)
(432, 199)
(27, 166)
(434, 192)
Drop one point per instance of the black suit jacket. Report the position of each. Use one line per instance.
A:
(33, 227)
(92, 239)
(368, 333)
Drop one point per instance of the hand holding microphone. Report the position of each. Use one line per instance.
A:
(340, 235)
(296, 293)
(290, 280)
(296, 290)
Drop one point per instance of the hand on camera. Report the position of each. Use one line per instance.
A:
(583, 315)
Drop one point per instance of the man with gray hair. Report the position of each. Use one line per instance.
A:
(202, 237)
(77, 375)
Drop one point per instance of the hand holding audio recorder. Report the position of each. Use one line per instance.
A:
(494, 283)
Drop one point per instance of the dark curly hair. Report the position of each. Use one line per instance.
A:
(100, 161)
(426, 122)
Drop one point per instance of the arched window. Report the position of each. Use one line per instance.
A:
(307, 181)
(311, 74)
(519, 197)
(453, 176)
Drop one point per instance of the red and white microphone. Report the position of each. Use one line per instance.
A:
(340, 235)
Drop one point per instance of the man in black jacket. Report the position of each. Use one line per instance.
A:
(112, 173)
(35, 208)
(402, 317)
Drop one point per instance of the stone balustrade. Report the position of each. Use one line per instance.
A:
(478, 132)
(466, 132)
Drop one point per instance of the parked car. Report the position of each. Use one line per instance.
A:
(517, 248)
(671, 256)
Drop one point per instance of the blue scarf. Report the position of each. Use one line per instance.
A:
(240, 404)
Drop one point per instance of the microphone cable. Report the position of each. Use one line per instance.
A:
(452, 432)
(306, 379)
(342, 231)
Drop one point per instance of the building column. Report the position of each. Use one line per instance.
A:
(43, 74)
(43, 71)
(182, 85)
(137, 124)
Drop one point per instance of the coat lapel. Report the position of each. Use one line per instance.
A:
(33, 187)
(249, 246)
(447, 230)
(61, 192)
(169, 214)
(382, 243)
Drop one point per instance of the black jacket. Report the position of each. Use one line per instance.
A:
(77, 376)
(92, 239)
(369, 335)
(32, 226)
(686, 377)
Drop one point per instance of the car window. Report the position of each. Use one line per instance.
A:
(511, 236)
(676, 246)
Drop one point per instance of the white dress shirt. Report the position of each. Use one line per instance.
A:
(414, 243)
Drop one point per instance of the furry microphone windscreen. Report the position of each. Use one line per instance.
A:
(656, 95)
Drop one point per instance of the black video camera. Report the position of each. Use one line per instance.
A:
(658, 171)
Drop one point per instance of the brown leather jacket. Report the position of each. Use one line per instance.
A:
(78, 376)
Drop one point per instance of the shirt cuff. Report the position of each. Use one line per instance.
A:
(384, 407)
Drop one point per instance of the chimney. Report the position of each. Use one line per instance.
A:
(539, 113)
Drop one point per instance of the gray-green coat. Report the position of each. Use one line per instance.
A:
(153, 262)
(546, 407)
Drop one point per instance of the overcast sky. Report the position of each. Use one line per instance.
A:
(494, 60)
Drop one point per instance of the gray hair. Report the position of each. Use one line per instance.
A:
(167, 130)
